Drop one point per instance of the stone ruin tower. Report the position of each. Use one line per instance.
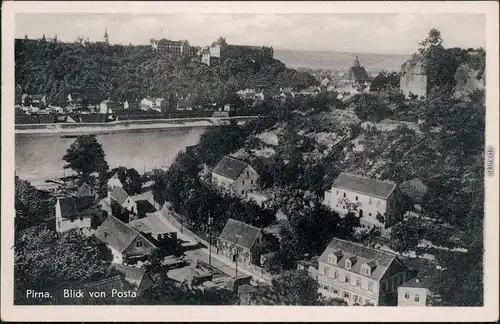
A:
(414, 78)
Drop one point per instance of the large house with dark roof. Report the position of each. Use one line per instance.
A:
(124, 241)
(238, 242)
(376, 202)
(360, 275)
(235, 176)
(75, 212)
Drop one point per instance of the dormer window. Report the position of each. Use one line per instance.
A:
(334, 257)
(350, 262)
(368, 267)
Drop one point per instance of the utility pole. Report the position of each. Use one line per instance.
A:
(210, 222)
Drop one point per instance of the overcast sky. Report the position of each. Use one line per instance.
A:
(359, 33)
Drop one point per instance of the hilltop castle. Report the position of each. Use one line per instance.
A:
(220, 50)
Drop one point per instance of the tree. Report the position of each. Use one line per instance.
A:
(86, 156)
(404, 237)
(130, 178)
(31, 207)
(432, 40)
(385, 81)
(292, 287)
(44, 260)
(166, 291)
(368, 107)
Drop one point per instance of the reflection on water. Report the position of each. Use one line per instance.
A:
(39, 156)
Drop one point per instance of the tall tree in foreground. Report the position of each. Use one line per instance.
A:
(86, 156)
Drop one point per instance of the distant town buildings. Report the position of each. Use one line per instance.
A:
(375, 202)
(235, 176)
(413, 82)
(360, 275)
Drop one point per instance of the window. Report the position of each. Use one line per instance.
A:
(336, 275)
(347, 295)
(378, 203)
(344, 195)
(347, 279)
(356, 198)
(248, 174)
(326, 271)
(343, 207)
(370, 286)
(138, 243)
(369, 201)
(335, 291)
(407, 295)
(417, 298)
(243, 182)
(370, 214)
(355, 297)
(358, 282)
(242, 192)
(337, 192)
(348, 264)
(251, 181)
(325, 287)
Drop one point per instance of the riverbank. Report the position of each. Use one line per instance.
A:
(120, 126)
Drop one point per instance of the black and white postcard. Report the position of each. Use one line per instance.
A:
(335, 155)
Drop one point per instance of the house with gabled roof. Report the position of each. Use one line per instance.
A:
(124, 241)
(238, 241)
(235, 176)
(120, 200)
(356, 74)
(139, 279)
(416, 292)
(75, 212)
(377, 203)
(360, 275)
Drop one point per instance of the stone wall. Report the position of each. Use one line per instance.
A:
(413, 79)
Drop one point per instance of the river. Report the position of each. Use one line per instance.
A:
(39, 156)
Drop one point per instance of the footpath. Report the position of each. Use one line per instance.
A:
(169, 220)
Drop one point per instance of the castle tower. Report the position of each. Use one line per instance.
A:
(106, 38)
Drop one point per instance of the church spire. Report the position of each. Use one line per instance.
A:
(106, 38)
(356, 62)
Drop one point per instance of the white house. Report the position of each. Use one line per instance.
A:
(358, 274)
(415, 292)
(113, 182)
(235, 176)
(74, 212)
(120, 197)
(105, 107)
(376, 202)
